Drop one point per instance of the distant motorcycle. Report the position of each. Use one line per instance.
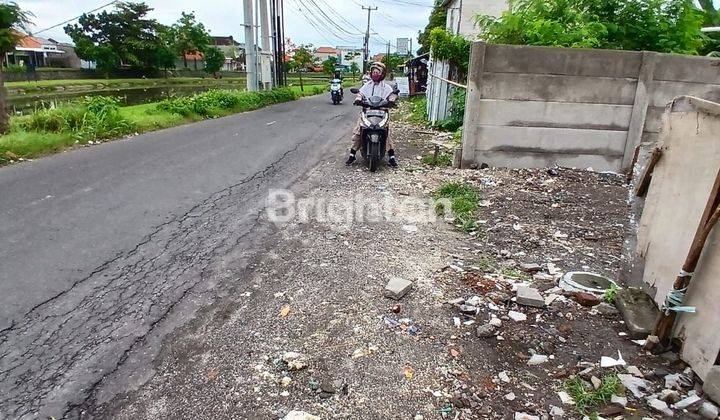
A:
(375, 118)
(336, 91)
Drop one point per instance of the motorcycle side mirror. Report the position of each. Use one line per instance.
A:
(355, 90)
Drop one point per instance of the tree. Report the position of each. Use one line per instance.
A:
(123, 37)
(438, 19)
(190, 36)
(711, 17)
(329, 65)
(303, 60)
(214, 60)
(671, 26)
(12, 18)
(392, 61)
(354, 69)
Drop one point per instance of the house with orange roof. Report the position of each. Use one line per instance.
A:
(32, 51)
(324, 53)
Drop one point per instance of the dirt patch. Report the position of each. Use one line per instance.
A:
(373, 358)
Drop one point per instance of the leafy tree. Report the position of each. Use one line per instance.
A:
(452, 48)
(392, 61)
(671, 26)
(190, 36)
(303, 60)
(354, 69)
(711, 17)
(438, 19)
(122, 37)
(165, 54)
(12, 18)
(214, 60)
(329, 65)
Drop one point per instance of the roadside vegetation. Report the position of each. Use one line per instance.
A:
(99, 118)
(463, 200)
(587, 398)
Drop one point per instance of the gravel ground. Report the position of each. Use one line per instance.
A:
(317, 290)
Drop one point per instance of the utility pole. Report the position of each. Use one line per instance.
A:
(250, 59)
(265, 43)
(367, 38)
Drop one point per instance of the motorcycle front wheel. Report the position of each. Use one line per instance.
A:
(374, 158)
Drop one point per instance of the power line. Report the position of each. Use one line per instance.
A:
(320, 32)
(408, 3)
(339, 15)
(331, 20)
(76, 17)
(319, 23)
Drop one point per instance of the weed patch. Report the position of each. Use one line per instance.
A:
(463, 200)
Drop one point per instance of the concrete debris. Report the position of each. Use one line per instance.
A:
(565, 398)
(711, 387)
(607, 309)
(537, 359)
(660, 406)
(596, 382)
(633, 370)
(469, 309)
(294, 360)
(530, 268)
(510, 396)
(634, 384)
(678, 381)
(396, 288)
(410, 228)
(529, 296)
(503, 376)
(517, 316)
(474, 301)
(556, 412)
(485, 331)
(687, 402)
(525, 416)
(300, 415)
(617, 400)
(638, 310)
(496, 322)
(708, 411)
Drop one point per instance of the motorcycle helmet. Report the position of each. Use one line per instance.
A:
(381, 68)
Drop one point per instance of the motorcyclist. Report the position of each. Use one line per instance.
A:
(375, 87)
(337, 78)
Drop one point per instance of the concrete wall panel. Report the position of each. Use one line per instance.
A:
(550, 140)
(539, 87)
(683, 68)
(545, 160)
(665, 92)
(554, 114)
(562, 61)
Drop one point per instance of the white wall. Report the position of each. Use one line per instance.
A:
(461, 14)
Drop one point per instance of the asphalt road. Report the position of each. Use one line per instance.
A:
(105, 250)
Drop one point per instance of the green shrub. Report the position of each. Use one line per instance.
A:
(464, 202)
(457, 112)
(443, 159)
(214, 103)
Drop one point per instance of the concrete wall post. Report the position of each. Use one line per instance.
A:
(643, 94)
(472, 102)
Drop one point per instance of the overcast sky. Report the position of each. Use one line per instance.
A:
(393, 19)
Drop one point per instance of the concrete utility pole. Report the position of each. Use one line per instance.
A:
(265, 62)
(367, 38)
(250, 58)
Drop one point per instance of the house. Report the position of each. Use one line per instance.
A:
(69, 60)
(461, 14)
(460, 21)
(349, 55)
(324, 53)
(32, 51)
(234, 52)
(190, 60)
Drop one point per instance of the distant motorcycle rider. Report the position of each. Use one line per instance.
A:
(375, 87)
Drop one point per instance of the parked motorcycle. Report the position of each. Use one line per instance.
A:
(375, 118)
(336, 91)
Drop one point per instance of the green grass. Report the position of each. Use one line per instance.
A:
(463, 201)
(514, 273)
(443, 159)
(611, 293)
(588, 398)
(55, 85)
(100, 118)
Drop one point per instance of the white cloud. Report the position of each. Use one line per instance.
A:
(393, 19)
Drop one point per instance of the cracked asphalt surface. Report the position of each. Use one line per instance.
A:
(108, 249)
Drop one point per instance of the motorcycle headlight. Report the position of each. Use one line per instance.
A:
(374, 137)
(365, 120)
